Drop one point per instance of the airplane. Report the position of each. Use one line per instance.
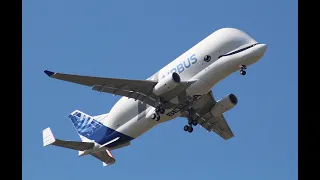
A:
(180, 89)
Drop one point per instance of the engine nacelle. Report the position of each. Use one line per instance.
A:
(166, 84)
(224, 104)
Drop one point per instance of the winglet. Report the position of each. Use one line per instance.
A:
(48, 137)
(49, 73)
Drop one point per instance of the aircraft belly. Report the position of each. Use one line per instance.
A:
(135, 128)
(200, 87)
(124, 111)
(138, 126)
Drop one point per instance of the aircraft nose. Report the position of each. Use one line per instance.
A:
(261, 49)
(255, 54)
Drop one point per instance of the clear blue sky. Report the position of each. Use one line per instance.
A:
(134, 39)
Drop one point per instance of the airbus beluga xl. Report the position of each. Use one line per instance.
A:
(180, 89)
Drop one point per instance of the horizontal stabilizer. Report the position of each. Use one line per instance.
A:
(105, 156)
(49, 139)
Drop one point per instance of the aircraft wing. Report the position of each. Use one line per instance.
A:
(141, 90)
(104, 156)
(201, 112)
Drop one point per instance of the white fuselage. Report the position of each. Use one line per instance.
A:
(131, 117)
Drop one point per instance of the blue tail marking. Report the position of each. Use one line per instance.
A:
(94, 130)
(84, 125)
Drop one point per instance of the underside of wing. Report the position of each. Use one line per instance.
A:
(201, 113)
(141, 90)
(217, 124)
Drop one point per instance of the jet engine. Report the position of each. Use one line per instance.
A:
(166, 84)
(224, 104)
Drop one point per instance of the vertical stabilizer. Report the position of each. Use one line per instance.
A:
(87, 127)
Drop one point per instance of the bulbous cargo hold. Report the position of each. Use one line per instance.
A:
(166, 84)
(224, 104)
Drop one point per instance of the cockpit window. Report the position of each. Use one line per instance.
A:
(237, 51)
(207, 58)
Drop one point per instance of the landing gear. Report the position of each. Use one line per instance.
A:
(191, 123)
(188, 128)
(159, 110)
(195, 122)
(155, 116)
(243, 72)
(242, 69)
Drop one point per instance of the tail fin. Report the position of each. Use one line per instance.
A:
(86, 126)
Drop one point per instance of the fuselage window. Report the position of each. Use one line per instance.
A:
(207, 58)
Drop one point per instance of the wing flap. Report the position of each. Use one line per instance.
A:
(141, 96)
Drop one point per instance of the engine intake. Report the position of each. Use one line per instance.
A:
(166, 84)
(224, 104)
